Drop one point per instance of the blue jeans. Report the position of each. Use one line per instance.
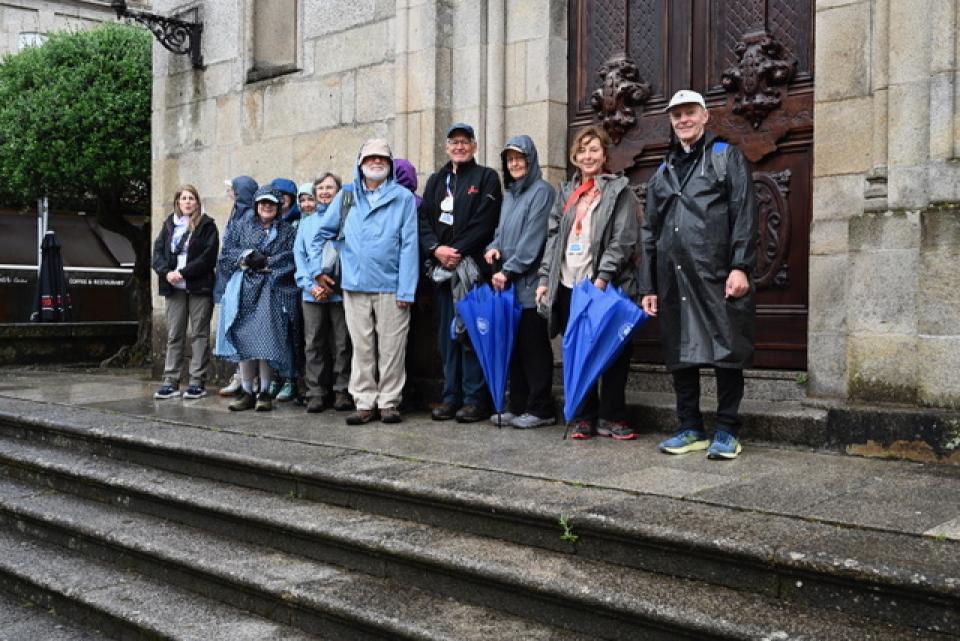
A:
(463, 382)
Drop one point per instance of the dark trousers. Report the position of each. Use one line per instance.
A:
(463, 382)
(327, 348)
(686, 383)
(531, 368)
(609, 401)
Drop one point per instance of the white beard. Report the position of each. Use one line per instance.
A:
(375, 175)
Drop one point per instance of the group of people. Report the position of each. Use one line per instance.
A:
(316, 283)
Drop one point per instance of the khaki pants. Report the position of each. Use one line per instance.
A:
(182, 307)
(378, 330)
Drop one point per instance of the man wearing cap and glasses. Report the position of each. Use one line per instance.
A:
(699, 237)
(458, 217)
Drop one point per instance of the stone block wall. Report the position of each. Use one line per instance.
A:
(23, 20)
(884, 241)
(399, 69)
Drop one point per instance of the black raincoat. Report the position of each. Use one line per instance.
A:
(696, 229)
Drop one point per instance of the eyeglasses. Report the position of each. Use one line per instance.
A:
(459, 142)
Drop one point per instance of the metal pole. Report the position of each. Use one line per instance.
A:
(43, 216)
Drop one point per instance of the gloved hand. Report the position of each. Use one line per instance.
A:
(255, 260)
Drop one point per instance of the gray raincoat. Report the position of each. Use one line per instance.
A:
(613, 239)
(696, 229)
(522, 230)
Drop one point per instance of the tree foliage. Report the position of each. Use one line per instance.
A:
(75, 126)
(75, 118)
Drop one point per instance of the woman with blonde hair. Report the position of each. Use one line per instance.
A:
(185, 257)
(592, 234)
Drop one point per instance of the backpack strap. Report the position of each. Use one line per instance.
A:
(718, 156)
(346, 202)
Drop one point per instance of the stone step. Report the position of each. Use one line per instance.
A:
(23, 621)
(886, 575)
(125, 604)
(313, 596)
(601, 600)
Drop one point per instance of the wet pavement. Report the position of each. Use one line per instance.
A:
(922, 499)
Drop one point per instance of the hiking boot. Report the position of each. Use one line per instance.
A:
(342, 402)
(316, 405)
(233, 388)
(684, 441)
(195, 391)
(506, 418)
(167, 391)
(244, 402)
(361, 417)
(617, 430)
(725, 446)
(287, 392)
(531, 421)
(444, 412)
(264, 402)
(470, 414)
(390, 415)
(583, 430)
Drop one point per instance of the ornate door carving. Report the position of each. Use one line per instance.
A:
(753, 62)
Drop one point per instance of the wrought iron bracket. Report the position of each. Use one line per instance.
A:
(177, 36)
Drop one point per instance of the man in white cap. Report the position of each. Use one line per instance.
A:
(379, 270)
(699, 237)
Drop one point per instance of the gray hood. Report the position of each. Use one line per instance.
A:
(525, 145)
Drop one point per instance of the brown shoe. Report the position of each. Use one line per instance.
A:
(361, 417)
(316, 405)
(245, 402)
(390, 415)
(342, 402)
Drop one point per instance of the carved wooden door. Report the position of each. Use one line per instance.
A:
(753, 62)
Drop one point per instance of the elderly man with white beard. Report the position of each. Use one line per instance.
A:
(379, 266)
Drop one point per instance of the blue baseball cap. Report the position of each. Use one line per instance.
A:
(461, 126)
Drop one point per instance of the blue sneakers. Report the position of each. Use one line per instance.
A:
(684, 441)
(167, 391)
(725, 446)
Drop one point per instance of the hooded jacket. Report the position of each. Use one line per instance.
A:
(407, 176)
(613, 238)
(287, 186)
(307, 249)
(476, 210)
(244, 187)
(522, 231)
(202, 247)
(696, 229)
(379, 252)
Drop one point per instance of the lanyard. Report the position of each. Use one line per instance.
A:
(449, 193)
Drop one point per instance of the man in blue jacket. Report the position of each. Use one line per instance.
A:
(379, 265)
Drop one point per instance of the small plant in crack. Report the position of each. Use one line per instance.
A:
(568, 534)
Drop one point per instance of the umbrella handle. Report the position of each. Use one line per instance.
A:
(566, 431)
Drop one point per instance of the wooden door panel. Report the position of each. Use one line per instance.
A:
(753, 61)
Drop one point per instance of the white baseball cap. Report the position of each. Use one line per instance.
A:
(686, 97)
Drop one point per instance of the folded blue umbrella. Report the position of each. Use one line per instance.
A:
(491, 319)
(600, 324)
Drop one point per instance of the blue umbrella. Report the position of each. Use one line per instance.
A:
(600, 323)
(491, 319)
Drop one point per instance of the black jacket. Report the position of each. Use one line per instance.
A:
(696, 229)
(476, 210)
(202, 249)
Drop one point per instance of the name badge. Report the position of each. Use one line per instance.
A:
(446, 218)
(446, 205)
(575, 248)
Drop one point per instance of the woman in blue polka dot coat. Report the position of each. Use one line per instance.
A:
(258, 320)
